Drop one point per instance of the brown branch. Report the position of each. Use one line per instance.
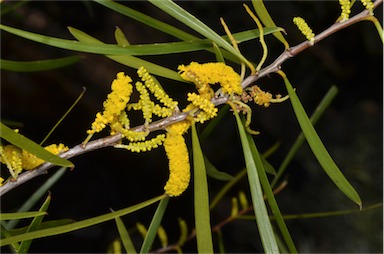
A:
(180, 116)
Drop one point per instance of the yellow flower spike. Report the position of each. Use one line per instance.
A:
(162, 236)
(206, 105)
(179, 168)
(304, 29)
(179, 128)
(345, 9)
(144, 146)
(156, 89)
(145, 102)
(211, 73)
(114, 105)
(11, 156)
(142, 229)
(260, 97)
(134, 135)
(30, 161)
(368, 5)
(162, 111)
(177, 153)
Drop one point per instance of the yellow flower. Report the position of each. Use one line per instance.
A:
(156, 89)
(115, 103)
(345, 9)
(11, 156)
(144, 146)
(260, 97)
(204, 104)
(179, 168)
(179, 128)
(17, 159)
(368, 5)
(202, 75)
(1, 181)
(30, 161)
(145, 102)
(304, 29)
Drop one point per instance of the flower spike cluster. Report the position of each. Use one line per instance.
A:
(203, 75)
(177, 153)
(115, 103)
(345, 9)
(304, 29)
(18, 159)
(368, 5)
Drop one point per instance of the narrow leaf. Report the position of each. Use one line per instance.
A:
(267, 166)
(320, 109)
(202, 216)
(262, 219)
(124, 236)
(188, 19)
(22, 215)
(24, 246)
(64, 116)
(78, 225)
(127, 60)
(41, 65)
(43, 225)
(30, 146)
(266, 19)
(153, 227)
(35, 197)
(120, 38)
(318, 148)
(269, 194)
(219, 56)
(213, 172)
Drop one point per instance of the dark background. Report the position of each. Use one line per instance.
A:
(351, 128)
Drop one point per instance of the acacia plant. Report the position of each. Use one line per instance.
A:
(140, 114)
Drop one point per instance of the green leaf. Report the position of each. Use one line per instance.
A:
(320, 109)
(188, 19)
(153, 227)
(24, 246)
(35, 197)
(267, 166)
(124, 236)
(202, 216)
(262, 219)
(127, 60)
(43, 225)
(4, 234)
(113, 49)
(30, 146)
(213, 172)
(266, 19)
(64, 116)
(42, 65)
(219, 56)
(22, 215)
(269, 194)
(120, 38)
(147, 20)
(78, 225)
(318, 148)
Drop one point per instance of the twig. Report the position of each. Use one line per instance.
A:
(161, 124)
